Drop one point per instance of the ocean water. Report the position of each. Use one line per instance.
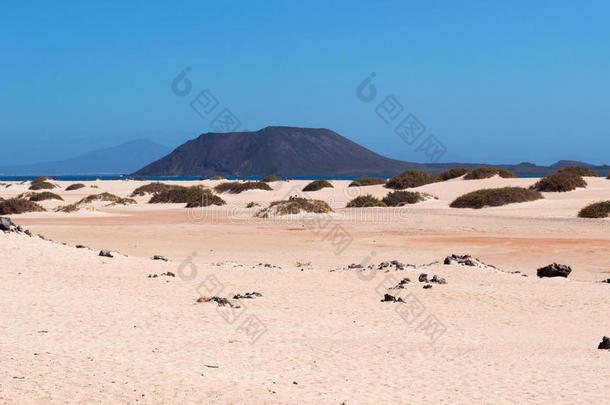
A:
(91, 177)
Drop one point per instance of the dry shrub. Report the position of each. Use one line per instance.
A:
(45, 195)
(106, 197)
(400, 198)
(578, 170)
(236, 187)
(485, 172)
(75, 186)
(151, 188)
(453, 173)
(560, 182)
(596, 210)
(495, 197)
(317, 185)
(294, 206)
(365, 201)
(411, 178)
(18, 206)
(367, 181)
(271, 178)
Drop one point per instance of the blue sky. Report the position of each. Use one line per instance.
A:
(496, 82)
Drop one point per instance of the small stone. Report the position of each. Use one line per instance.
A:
(6, 224)
(605, 343)
(159, 257)
(423, 278)
(427, 286)
(438, 280)
(105, 253)
(391, 298)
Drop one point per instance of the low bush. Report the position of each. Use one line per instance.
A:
(560, 182)
(178, 195)
(411, 178)
(485, 172)
(151, 188)
(45, 195)
(105, 197)
(400, 198)
(75, 186)
(271, 178)
(236, 187)
(578, 170)
(18, 206)
(367, 181)
(453, 173)
(206, 199)
(495, 197)
(596, 210)
(294, 206)
(365, 201)
(252, 204)
(317, 185)
(41, 185)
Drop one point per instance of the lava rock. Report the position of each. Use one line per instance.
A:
(248, 295)
(604, 344)
(465, 260)
(554, 270)
(105, 253)
(401, 283)
(6, 224)
(427, 286)
(391, 298)
(159, 257)
(80, 246)
(28, 233)
(423, 278)
(438, 280)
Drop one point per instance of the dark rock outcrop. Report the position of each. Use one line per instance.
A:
(105, 253)
(554, 270)
(604, 344)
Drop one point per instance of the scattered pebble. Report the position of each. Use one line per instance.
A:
(105, 253)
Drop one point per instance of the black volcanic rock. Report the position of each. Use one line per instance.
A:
(286, 151)
(554, 270)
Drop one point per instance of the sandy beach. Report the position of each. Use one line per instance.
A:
(80, 328)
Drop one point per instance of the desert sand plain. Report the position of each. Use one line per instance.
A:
(79, 328)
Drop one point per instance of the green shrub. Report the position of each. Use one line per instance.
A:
(206, 199)
(294, 206)
(365, 201)
(271, 178)
(560, 182)
(453, 173)
(367, 181)
(578, 170)
(411, 178)
(596, 210)
(317, 185)
(45, 195)
(400, 198)
(18, 206)
(485, 172)
(151, 188)
(495, 197)
(75, 186)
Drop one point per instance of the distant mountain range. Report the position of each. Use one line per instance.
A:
(302, 152)
(124, 158)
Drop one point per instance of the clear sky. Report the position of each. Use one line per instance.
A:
(495, 82)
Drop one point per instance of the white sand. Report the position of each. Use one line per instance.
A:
(79, 328)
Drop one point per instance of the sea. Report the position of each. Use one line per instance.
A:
(92, 177)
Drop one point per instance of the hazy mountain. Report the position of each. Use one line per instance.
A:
(301, 152)
(124, 158)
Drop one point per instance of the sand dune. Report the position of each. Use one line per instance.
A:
(90, 329)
